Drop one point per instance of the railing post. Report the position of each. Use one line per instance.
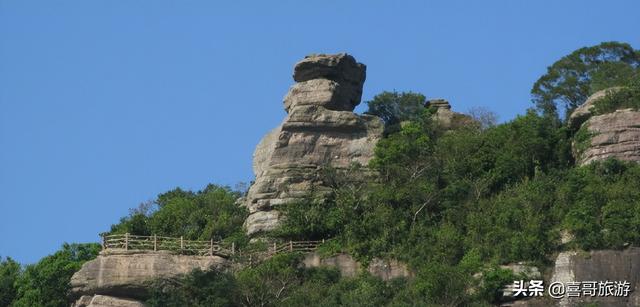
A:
(323, 241)
(126, 241)
(233, 248)
(290, 246)
(104, 242)
(181, 243)
(155, 243)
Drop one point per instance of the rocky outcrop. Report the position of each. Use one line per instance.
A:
(611, 135)
(446, 118)
(320, 130)
(105, 301)
(127, 275)
(576, 267)
(584, 111)
(349, 267)
(602, 265)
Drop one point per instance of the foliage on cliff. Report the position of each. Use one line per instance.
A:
(450, 203)
(626, 96)
(453, 203)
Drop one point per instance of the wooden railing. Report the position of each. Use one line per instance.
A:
(157, 243)
(129, 242)
(295, 246)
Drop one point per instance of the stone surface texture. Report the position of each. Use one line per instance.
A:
(105, 301)
(128, 275)
(597, 265)
(612, 135)
(601, 265)
(349, 267)
(320, 130)
(583, 112)
(446, 118)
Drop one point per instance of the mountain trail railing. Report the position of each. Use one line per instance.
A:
(129, 242)
(158, 243)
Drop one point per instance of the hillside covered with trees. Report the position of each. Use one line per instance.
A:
(451, 203)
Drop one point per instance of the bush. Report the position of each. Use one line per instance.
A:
(46, 283)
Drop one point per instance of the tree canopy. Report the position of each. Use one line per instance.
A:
(45, 283)
(395, 107)
(569, 81)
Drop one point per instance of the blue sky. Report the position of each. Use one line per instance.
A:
(105, 104)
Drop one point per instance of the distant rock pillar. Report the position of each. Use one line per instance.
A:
(320, 129)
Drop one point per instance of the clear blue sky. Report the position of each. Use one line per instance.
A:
(105, 104)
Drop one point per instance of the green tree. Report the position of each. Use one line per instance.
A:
(271, 282)
(394, 107)
(210, 213)
(46, 283)
(9, 273)
(197, 289)
(568, 82)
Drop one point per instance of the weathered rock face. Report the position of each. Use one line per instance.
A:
(603, 265)
(580, 266)
(612, 135)
(446, 118)
(320, 130)
(583, 112)
(349, 267)
(128, 275)
(105, 301)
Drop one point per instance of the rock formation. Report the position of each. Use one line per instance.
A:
(106, 301)
(320, 130)
(446, 118)
(125, 276)
(615, 134)
(349, 267)
(602, 265)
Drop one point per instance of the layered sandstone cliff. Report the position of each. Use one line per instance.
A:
(611, 135)
(575, 268)
(320, 130)
(121, 278)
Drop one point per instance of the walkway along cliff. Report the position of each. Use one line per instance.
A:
(320, 130)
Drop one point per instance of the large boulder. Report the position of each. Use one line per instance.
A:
(584, 111)
(446, 118)
(573, 269)
(341, 68)
(320, 131)
(128, 275)
(600, 265)
(611, 135)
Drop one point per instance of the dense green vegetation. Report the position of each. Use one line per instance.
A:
(45, 283)
(279, 281)
(208, 214)
(626, 96)
(394, 108)
(449, 203)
